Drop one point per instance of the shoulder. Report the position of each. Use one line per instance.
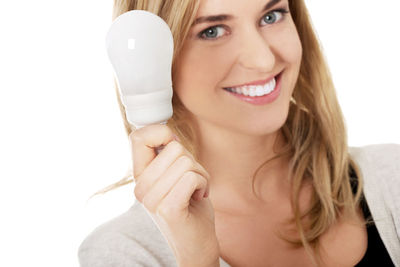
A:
(381, 152)
(378, 159)
(379, 165)
(131, 239)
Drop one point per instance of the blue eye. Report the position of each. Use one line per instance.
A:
(211, 33)
(274, 16)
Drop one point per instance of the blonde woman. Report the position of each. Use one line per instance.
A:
(256, 170)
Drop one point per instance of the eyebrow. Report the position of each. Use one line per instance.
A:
(224, 17)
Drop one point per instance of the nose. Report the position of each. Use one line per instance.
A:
(256, 52)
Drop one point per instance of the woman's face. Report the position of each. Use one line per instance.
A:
(253, 40)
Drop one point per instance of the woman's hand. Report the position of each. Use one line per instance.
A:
(173, 187)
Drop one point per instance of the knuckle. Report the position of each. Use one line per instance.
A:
(176, 147)
(195, 178)
(192, 178)
(190, 175)
(206, 175)
(186, 161)
(204, 180)
(135, 137)
(167, 130)
(165, 211)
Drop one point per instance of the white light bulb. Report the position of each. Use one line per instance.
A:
(140, 47)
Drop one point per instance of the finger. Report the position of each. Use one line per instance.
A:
(175, 203)
(172, 151)
(152, 193)
(156, 192)
(158, 166)
(143, 144)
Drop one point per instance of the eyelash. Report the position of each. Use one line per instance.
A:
(282, 11)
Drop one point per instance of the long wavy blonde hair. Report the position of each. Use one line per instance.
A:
(314, 130)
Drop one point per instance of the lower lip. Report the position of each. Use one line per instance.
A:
(265, 99)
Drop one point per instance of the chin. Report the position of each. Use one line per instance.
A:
(259, 128)
(265, 124)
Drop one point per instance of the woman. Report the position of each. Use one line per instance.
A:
(253, 98)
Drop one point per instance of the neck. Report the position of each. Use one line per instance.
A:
(232, 158)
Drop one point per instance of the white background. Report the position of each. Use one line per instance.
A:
(62, 136)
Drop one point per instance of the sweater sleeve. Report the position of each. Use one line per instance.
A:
(112, 249)
(130, 239)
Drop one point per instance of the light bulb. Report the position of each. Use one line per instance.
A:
(140, 46)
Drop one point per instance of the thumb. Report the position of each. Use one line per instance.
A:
(143, 143)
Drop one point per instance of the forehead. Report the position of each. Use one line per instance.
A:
(211, 7)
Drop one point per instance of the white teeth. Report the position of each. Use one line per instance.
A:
(244, 90)
(260, 91)
(255, 90)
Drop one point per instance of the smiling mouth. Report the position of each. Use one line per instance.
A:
(256, 90)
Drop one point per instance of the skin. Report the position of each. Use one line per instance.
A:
(171, 186)
(237, 137)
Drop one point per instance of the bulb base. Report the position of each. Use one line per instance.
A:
(150, 108)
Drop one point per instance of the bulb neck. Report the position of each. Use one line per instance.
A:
(141, 126)
(149, 108)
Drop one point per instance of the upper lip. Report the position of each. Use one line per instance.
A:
(259, 82)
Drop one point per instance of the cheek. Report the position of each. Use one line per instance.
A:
(290, 45)
(200, 70)
(288, 50)
(285, 42)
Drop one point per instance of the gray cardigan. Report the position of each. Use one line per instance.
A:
(133, 239)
